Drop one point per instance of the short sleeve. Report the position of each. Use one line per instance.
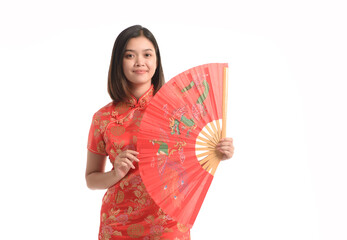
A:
(96, 143)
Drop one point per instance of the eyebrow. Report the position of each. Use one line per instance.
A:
(130, 50)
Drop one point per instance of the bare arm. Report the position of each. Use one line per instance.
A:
(97, 178)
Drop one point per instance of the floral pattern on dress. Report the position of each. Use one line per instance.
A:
(128, 211)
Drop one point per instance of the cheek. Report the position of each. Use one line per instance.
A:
(126, 70)
(125, 66)
(154, 65)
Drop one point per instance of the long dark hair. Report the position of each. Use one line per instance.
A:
(118, 87)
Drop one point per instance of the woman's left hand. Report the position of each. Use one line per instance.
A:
(226, 148)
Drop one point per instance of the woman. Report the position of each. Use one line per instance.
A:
(135, 75)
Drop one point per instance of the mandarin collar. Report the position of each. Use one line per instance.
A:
(143, 100)
(133, 105)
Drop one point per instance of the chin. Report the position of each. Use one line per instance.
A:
(141, 82)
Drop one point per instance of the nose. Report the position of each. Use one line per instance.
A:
(139, 62)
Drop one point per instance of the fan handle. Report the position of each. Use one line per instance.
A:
(225, 101)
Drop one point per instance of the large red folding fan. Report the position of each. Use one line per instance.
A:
(177, 138)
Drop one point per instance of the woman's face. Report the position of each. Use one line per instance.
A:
(139, 61)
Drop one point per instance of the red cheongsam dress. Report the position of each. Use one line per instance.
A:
(127, 211)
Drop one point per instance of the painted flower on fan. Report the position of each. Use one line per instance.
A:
(198, 111)
(178, 113)
(165, 109)
(153, 162)
(181, 154)
(198, 80)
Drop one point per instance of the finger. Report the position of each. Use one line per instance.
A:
(227, 155)
(124, 160)
(225, 145)
(129, 154)
(131, 157)
(230, 149)
(122, 165)
(225, 151)
(125, 154)
(132, 152)
(225, 141)
(128, 163)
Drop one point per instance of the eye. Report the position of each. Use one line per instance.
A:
(148, 55)
(129, 55)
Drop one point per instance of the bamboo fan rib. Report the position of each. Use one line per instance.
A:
(225, 101)
(209, 137)
(206, 152)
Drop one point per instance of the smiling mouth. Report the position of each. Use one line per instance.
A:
(140, 71)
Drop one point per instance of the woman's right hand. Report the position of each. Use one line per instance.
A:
(124, 161)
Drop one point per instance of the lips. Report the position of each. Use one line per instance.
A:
(140, 71)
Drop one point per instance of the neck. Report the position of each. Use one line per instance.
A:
(138, 90)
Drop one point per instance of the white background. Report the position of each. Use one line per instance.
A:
(287, 111)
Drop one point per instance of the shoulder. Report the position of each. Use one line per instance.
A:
(105, 111)
(104, 116)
